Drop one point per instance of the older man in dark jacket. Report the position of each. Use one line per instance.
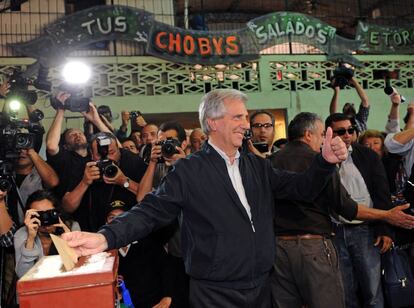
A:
(226, 200)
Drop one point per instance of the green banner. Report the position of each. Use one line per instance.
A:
(385, 40)
(275, 28)
(116, 22)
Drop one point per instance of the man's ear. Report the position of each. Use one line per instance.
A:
(307, 136)
(212, 123)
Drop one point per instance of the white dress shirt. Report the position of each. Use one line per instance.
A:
(235, 177)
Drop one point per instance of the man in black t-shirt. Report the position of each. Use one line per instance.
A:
(68, 156)
(90, 197)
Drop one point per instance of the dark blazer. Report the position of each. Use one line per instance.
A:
(373, 172)
(220, 244)
(298, 217)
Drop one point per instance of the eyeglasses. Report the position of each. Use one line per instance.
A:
(342, 131)
(260, 125)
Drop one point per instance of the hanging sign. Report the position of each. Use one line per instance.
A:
(116, 22)
(384, 40)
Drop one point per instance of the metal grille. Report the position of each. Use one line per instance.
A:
(144, 76)
(305, 74)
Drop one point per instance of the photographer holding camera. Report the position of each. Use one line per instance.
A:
(22, 170)
(165, 151)
(31, 173)
(171, 138)
(137, 123)
(68, 153)
(32, 241)
(111, 178)
(345, 76)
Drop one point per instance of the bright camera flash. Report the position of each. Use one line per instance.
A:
(76, 72)
(15, 105)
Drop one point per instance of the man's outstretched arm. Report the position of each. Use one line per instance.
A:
(156, 210)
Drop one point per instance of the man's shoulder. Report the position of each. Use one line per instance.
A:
(195, 162)
(64, 154)
(358, 149)
(292, 150)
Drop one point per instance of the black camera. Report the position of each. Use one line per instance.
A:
(6, 173)
(248, 134)
(106, 166)
(146, 154)
(342, 75)
(134, 114)
(19, 88)
(168, 147)
(262, 147)
(390, 91)
(12, 140)
(49, 217)
(75, 103)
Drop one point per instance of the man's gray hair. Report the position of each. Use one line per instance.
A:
(212, 105)
(301, 123)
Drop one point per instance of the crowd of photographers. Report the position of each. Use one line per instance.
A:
(91, 176)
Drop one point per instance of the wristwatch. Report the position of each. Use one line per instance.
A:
(126, 184)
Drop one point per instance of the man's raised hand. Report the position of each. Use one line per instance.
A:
(334, 149)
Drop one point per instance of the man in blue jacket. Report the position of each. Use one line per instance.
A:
(226, 201)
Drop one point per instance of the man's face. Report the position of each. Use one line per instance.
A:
(129, 145)
(75, 139)
(345, 131)
(262, 129)
(107, 116)
(24, 159)
(149, 134)
(171, 133)
(197, 138)
(229, 130)
(113, 151)
(136, 138)
(317, 136)
(113, 214)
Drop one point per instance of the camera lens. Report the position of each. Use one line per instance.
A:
(23, 141)
(168, 149)
(388, 90)
(110, 171)
(5, 185)
(49, 217)
(36, 115)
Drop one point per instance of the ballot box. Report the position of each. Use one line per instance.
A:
(92, 283)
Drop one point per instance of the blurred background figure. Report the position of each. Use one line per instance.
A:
(197, 138)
